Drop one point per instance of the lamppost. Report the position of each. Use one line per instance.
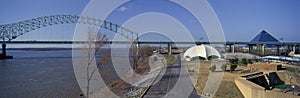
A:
(293, 87)
(290, 77)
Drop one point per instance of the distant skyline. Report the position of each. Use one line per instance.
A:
(241, 20)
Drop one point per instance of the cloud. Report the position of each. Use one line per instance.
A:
(122, 9)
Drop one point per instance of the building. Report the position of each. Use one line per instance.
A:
(264, 36)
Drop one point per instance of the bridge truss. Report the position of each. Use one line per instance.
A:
(11, 31)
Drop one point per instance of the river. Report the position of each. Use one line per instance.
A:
(36, 73)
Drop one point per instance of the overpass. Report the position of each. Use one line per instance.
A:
(263, 45)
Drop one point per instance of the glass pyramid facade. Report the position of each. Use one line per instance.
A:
(264, 36)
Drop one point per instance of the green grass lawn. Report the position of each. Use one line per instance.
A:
(282, 86)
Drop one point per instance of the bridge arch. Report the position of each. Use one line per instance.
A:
(11, 31)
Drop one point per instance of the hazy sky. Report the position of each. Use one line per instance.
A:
(241, 19)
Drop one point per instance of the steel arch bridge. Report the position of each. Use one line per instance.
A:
(11, 31)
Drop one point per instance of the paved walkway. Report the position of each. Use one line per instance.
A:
(167, 85)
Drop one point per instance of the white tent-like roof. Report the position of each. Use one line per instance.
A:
(202, 51)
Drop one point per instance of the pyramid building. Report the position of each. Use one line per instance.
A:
(264, 36)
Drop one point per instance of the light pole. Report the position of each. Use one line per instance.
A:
(293, 87)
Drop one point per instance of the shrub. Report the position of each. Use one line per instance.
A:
(244, 61)
(191, 70)
(234, 61)
(224, 67)
(233, 66)
(250, 61)
(256, 60)
(213, 68)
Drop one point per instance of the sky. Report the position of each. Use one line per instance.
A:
(241, 20)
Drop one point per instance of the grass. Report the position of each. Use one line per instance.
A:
(228, 89)
(294, 71)
(282, 86)
(170, 59)
(291, 69)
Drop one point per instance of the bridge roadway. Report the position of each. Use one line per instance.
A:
(167, 82)
(294, 45)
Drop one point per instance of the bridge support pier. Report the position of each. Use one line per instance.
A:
(3, 55)
(288, 49)
(169, 48)
(225, 47)
(4, 49)
(249, 49)
(297, 49)
(263, 46)
(232, 48)
(229, 49)
(294, 49)
(278, 50)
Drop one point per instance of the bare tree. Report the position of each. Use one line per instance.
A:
(95, 41)
(139, 57)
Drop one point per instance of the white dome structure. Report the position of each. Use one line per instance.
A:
(202, 51)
